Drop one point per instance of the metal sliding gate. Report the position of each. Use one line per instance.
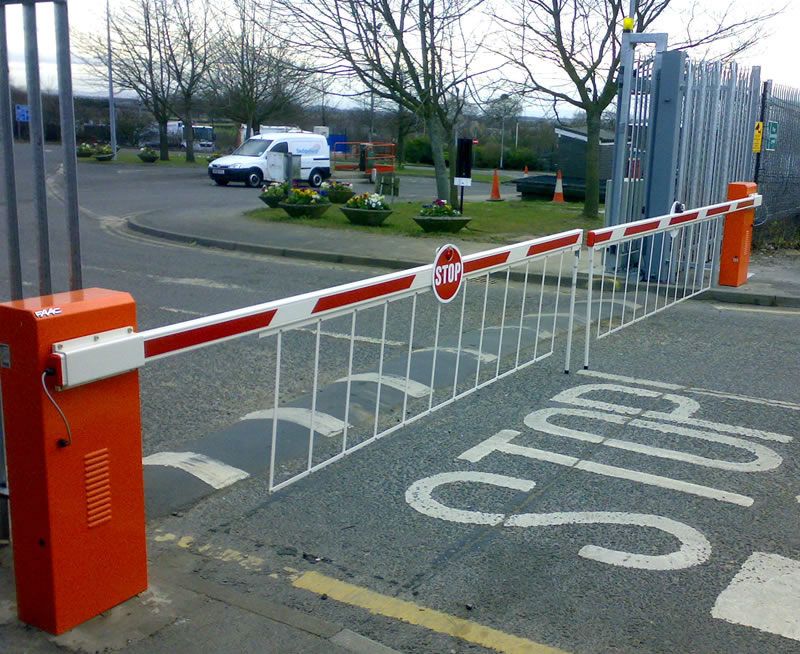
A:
(379, 353)
(658, 262)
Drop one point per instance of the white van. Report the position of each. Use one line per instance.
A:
(252, 164)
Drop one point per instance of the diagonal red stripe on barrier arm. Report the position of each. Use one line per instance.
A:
(592, 238)
(556, 243)
(207, 333)
(486, 262)
(684, 218)
(644, 227)
(715, 211)
(338, 300)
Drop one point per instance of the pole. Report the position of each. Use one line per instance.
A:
(765, 92)
(37, 146)
(516, 137)
(112, 110)
(7, 137)
(67, 110)
(502, 138)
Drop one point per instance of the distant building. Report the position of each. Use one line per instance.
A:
(570, 154)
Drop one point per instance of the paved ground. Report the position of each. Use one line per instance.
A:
(649, 506)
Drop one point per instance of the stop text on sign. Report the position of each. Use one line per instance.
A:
(448, 271)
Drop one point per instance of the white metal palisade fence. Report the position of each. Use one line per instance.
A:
(356, 362)
(648, 265)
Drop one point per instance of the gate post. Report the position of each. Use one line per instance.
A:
(663, 158)
(74, 463)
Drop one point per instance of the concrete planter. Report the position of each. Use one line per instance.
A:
(449, 224)
(371, 217)
(340, 197)
(271, 201)
(305, 210)
(147, 158)
(104, 157)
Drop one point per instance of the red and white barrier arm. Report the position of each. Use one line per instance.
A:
(609, 235)
(97, 356)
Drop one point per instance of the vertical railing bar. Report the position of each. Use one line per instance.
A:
(688, 260)
(483, 325)
(588, 336)
(604, 264)
(613, 289)
(649, 273)
(539, 317)
(522, 312)
(460, 332)
(674, 253)
(349, 380)
(627, 276)
(573, 292)
(435, 353)
(275, 410)
(502, 322)
(380, 369)
(555, 308)
(639, 273)
(410, 350)
(661, 266)
(314, 397)
(678, 264)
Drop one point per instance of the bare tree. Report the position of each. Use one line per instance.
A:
(186, 33)
(140, 59)
(579, 41)
(417, 53)
(253, 75)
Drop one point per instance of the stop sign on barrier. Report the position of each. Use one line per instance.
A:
(448, 271)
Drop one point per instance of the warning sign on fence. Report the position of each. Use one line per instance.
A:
(758, 136)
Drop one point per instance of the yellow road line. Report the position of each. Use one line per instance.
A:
(443, 623)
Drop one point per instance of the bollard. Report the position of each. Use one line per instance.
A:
(74, 463)
(737, 238)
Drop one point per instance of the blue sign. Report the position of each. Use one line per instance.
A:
(23, 112)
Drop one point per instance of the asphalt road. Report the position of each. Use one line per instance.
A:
(625, 516)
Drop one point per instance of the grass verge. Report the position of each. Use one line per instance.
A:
(430, 172)
(129, 156)
(491, 221)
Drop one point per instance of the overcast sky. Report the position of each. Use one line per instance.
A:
(777, 55)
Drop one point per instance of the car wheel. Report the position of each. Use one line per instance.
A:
(254, 178)
(221, 182)
(315, 179)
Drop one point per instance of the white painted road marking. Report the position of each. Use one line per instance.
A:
(501, 442)
(699, 391)
(764, 594)
(415, 388)
(766, 458)
(485, 357)
(779, 312)
(694, 549)
(684, 409)
(324, 424)
(215, 473)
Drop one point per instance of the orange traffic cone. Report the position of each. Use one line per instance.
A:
(525, 172)
(558, 196)
(495, 196)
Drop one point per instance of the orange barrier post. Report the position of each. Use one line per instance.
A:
(495, 196)
(558, 195)
(75, 481)
(737, 238)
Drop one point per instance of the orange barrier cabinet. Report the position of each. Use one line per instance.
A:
(77, 498)
(737, 240)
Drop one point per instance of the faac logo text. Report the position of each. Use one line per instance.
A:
(48, 313)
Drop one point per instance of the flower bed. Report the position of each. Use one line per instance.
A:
(366, 209)
(338, 192)
(440, 216)
(104, 153)
(274, 194)
(305, 203)
(85, 150)
(148, 155)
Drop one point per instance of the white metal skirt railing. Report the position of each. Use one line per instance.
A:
(353, 363)
(648, 265)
